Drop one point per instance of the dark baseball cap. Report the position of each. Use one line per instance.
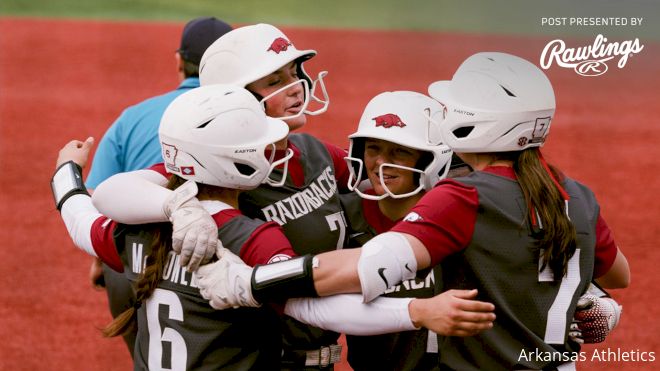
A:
(198, 35)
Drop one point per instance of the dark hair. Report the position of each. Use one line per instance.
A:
(190, 69)
(557, 237)
(151, 275)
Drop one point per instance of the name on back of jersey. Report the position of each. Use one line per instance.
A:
(173, 272)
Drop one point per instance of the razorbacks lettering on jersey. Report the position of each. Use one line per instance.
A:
(406, 350)
(312, 219)
(178, 330)
(501, 260)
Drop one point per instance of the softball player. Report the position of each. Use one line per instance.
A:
(176, 328)
(302, 197)
(391, 149)
(526, 236)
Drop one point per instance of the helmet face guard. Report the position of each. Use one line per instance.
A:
(273, 164)
(309, 97)
(354, 179)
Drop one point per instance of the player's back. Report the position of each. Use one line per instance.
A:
(178, 330)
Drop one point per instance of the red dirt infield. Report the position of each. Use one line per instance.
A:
(61, 80)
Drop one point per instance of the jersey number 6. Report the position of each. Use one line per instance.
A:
(157, 336)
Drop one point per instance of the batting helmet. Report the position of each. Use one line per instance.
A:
(495, 102)
(218, 135)
(406, 118)
(247, 54)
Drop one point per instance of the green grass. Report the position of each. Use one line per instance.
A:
(517, 17)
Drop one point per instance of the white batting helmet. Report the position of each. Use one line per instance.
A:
(217, 135)
(246, 54)
(406, 118)
(495, 102)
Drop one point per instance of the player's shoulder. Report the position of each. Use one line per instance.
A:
(450, 191)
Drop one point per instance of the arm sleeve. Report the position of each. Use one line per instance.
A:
(136, 197)
(91, 231)
(108, 158)
(347, 314)
(443, 220)
(606, 248)
(341, 167)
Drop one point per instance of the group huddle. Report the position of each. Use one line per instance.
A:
(440, 240)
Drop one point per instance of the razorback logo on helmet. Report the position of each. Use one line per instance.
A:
(279, 45)
(169, 156)
(388, 120)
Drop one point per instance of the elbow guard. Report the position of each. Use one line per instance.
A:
(285, 279)
(385, 260)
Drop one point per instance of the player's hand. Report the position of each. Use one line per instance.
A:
(596, 317)
(96, 274)
(194, 232)
(75, 151)
(227, 282)
(453, 313)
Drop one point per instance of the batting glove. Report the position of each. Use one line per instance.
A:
(227, 282)
(194, 232)
(596, 317)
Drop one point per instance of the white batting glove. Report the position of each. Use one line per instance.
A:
(596, 317)
(227, 282)
(194, 232)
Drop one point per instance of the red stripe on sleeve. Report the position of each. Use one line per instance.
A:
(443, 220)
(103, 241)
(160, 169)
(266, 242)
(606, 249)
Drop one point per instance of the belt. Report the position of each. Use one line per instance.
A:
(324, 356)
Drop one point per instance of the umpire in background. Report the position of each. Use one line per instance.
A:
(131, 143)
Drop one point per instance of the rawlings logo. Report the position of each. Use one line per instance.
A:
(589, 60)
(279, 45)
(388, 120)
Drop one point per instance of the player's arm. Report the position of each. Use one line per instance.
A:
(611, 270)
(381, 263)
(135, 197)
(140, 197)
(72, 199)
(452, 313)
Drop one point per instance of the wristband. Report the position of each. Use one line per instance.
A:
(285, 279)
(66, 182)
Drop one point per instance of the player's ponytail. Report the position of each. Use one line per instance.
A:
(151, 274)
(547, 206)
